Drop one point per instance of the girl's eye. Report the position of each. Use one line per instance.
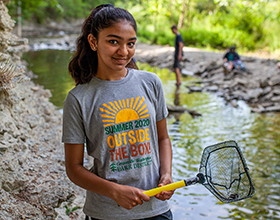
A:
(113, 41)
(131, 44)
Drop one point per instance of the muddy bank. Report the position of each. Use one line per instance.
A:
(33, 182)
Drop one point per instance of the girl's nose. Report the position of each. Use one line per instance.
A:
(123, 50)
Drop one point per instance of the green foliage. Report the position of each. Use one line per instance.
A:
(70, 210)
(40, 10)
(31, 8)
(220, 24)
(205, 5)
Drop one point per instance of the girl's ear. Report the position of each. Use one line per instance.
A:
(92, 42)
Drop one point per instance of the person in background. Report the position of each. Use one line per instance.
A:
(119, 113)
(232, 61)
(178, 55)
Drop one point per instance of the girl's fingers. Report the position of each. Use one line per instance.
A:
(165, 195)
(144, 197)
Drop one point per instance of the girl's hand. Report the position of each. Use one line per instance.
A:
(165, 195)
(129, 197)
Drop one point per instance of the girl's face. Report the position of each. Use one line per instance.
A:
(115, 47)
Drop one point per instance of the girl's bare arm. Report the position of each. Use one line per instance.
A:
(165, 156)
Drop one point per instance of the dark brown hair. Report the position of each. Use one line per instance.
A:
(174, 26)
(83, 64)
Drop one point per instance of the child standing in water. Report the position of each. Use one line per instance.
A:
(120, 114)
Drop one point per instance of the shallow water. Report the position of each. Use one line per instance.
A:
(257, 136)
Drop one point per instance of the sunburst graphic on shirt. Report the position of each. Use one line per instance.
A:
(123, 111)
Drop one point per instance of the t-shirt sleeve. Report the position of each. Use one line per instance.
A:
(161, 109)
(73, 126)
(180, 39)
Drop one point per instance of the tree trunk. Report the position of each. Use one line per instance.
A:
(19, 19)
(182, 15)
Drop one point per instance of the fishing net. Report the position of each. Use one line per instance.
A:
(225, 172)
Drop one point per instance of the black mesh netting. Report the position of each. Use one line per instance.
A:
(226, 173)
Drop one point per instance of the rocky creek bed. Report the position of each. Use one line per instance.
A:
(258, 86)
(33, 183)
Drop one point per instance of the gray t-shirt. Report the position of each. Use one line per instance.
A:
(117, 121)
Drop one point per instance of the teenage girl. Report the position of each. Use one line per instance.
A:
(119, 113)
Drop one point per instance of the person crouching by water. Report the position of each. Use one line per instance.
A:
(120, 114)
(232, 61)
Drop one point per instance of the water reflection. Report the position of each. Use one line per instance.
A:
(177, 97)
(51, 66)
(258, 139)
(257, 136)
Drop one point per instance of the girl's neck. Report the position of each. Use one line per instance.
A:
(110, 76)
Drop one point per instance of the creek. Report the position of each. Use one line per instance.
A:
(256, 134)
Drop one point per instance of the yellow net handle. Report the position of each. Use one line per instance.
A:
(169, 187)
